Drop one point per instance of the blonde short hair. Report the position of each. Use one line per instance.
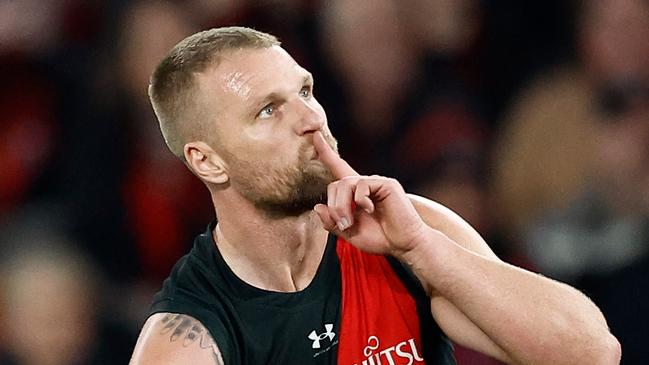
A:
(173, 89)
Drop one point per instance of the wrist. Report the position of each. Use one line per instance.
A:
(426, 258)
(421, 247)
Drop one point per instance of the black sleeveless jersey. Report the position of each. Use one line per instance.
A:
(360, 309)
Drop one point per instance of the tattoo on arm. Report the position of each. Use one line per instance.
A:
(181, 327)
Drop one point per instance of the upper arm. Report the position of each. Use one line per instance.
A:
(455, 324)
(452, 225)
(170, 338)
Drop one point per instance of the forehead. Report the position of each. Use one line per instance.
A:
(247, 73)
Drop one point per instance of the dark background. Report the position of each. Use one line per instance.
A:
(530, 119)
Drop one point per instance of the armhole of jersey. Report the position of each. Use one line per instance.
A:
(430, 330)
(408, 279)
(215, 327)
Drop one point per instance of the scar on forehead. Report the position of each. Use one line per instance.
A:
(235, 82)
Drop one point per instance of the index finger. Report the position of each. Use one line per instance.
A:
(338, 167)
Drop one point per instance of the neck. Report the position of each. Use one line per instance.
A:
(277, 254)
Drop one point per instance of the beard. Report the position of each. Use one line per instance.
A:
(282, 192)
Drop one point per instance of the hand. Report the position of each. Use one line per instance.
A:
(371, 212)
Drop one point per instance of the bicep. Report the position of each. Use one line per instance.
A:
(170, 338)
(443, 219)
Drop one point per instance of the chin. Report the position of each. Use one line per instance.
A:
(290, 191)
(300, 197)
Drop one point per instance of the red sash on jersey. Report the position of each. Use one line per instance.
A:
(379, 322)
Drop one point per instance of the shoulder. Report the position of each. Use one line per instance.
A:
(170, 338)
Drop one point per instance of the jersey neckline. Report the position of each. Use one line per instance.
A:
(323, 279)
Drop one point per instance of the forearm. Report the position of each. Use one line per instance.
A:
(529, 318)
(532, 319)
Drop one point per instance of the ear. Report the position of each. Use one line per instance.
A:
(205, 162)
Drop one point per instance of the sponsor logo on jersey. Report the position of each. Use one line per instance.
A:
(393, 355)
(320, 341)
(317, 338)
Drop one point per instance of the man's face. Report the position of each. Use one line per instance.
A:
(261, 109)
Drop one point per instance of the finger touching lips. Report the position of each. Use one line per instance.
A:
(338, 167)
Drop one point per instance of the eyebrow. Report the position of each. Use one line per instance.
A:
(307, 79)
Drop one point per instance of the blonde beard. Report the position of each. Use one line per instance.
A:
(278, 193)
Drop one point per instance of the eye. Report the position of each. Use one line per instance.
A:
(266, 112)
(305, 92)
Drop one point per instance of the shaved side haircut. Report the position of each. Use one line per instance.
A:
(173, 90)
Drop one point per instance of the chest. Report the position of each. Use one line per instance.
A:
(365, 316)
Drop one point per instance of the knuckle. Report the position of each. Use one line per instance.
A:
(348, 180)
(362, 189)
(392, 181)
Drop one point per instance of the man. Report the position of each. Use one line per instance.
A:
(311, 263)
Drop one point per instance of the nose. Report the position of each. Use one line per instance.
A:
(310, 117)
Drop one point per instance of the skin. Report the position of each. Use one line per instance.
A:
(479, 301)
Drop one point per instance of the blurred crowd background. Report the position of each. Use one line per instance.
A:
(529, 118)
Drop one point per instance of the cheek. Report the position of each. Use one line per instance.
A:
(257, 142)
(258, 132)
